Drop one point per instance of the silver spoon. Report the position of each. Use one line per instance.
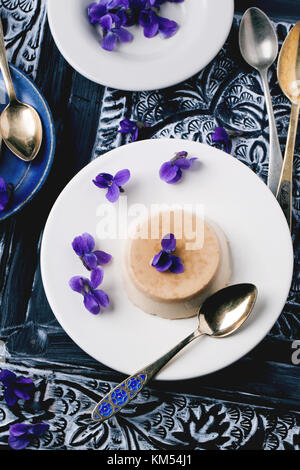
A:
(259, 47)
(20, 124)
(220, 315)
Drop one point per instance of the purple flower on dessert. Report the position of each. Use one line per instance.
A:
(21, 435)
(5, 193)
(93, 298)
(165, 260)
(84, 247)
(16, 387)
(128, 126)
(171, 171)
(113, 184)
(221, 135)
(154, 24)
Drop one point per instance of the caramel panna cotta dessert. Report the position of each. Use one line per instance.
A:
(199, 264)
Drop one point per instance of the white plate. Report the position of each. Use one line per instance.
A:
(125, 338)
(143, 64)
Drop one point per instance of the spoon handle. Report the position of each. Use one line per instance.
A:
(121, 395)
(284, 193)
(275, 159)
(5, 67)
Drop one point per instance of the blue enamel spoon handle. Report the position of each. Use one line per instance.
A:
(126, 391)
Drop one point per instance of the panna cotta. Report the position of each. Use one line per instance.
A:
(203, 250)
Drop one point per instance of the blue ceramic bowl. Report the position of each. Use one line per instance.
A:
(26, 178)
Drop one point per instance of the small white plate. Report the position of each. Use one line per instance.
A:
(143, 64)
(127, 339)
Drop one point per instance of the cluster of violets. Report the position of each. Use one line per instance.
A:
(165, 260)
(20, 388)
(115, 16)
(5, 194)
(93, 298)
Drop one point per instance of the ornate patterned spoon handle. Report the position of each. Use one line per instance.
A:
(121, 395)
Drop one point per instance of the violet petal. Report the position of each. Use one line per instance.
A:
(18, 443)
(102, 257)
(96, 277)
(168, 171)
(164, 263)
(102, 297)
(18, 429)
(77, 284)
(10, 397)
(109, 41)
(183, 163)
(38, 429)
(167, 28)
(168, 243)
(103, 180)
(177, 265)
(7, 377)
(122, 177)
(91, 304)
(177, 177)
(113, 193)
(90, 261)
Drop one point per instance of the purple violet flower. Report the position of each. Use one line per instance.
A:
(21, 435)
(171, 171)
(5, 193)
(97, 10)
(154, 24)
(164, 260)
(16, 387)
(113, 31)
(113, 184)
(84, 247)
(128, 126)
(221, 135)
(93, 298)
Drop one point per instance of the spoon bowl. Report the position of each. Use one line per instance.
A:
(258, 40)
(226, 310)
(21, 129)
(289, 66)
(20, 124)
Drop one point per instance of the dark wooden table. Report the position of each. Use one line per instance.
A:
(259, 393)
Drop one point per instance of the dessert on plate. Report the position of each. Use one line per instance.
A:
(173, 261)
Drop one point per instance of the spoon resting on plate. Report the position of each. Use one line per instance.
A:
(20, 124)
(220, 315)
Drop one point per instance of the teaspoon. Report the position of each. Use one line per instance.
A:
(259, 47)
(20, 124)
(220, 315)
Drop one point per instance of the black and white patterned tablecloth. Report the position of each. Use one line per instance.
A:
(254, 404)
